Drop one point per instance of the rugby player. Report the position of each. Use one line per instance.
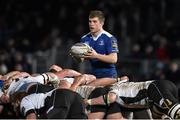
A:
(160, 96)
(103, 56)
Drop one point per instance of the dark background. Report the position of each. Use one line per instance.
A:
(35, 34)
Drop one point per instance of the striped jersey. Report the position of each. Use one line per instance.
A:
(34, 102)
(85, 91)
(131, 94)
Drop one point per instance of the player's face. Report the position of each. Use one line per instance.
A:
(95, 25)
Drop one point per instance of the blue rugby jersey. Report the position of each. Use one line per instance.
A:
(104, 43)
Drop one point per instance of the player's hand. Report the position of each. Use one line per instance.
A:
(125, 78)
(91, 54)
(86, 102)
(80, 80)
(18, 75)
(78, 59)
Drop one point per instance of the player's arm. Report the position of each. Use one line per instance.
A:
(10, 74)
(67, 73)
(55, 68)
(71, 72)
(110, 58)
(88, 78)
(79, 80)
(107, 81)
(106, 99)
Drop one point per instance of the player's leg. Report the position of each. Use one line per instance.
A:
(164, 96)
(77, 108)
(114, 111)
(59, 105)
(97, 111)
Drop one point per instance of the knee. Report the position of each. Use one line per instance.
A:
(112, 97)
(115, 116)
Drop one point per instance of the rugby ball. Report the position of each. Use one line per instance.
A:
(79, 50)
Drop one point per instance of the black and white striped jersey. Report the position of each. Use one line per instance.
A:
(34, 102)
(21, 84)
(85, 91)
(131, 94)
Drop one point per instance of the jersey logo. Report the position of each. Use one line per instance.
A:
(101, 42)
(114, 44)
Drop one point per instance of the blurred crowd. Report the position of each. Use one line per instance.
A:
(146, 30)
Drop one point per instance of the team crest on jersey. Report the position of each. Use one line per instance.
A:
(101, 42)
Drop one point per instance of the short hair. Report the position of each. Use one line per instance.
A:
(97, 13)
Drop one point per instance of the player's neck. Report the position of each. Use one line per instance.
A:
(95, 34)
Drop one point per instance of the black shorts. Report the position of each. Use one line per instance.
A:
(65, 104)
(162, 93)
(113, 108)
(96, 93)
(162, 89)
(101, 108)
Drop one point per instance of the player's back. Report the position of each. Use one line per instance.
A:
(132, 94)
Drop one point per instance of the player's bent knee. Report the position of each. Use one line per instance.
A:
(96, 115)
(112, 97)
(115, 116)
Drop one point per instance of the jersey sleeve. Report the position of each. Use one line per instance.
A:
(81, 40)
(112, 45)
(26, 106)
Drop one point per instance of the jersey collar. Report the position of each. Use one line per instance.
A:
(95, 38)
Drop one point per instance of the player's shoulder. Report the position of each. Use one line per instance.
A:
(105, 33)
(86, 35)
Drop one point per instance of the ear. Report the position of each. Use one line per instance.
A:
(102, 23)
